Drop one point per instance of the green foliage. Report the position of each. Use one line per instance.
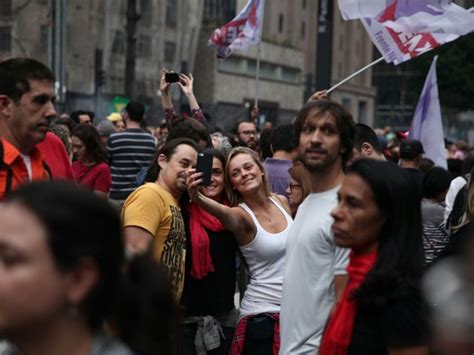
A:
(455, 71)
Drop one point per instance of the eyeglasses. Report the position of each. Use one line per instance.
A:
(294, 186)
(248, 133)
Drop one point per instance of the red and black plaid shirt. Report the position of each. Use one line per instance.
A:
(238, 342)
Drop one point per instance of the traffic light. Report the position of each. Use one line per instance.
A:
(101, 76)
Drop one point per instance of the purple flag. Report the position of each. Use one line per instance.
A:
(427, 125)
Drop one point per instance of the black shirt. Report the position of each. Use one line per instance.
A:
(214, 293)
(400, 324)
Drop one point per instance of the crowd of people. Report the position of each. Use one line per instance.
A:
(320, 236)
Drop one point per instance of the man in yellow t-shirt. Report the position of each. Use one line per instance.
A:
(151, 214)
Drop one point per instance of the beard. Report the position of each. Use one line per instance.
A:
(318, 165)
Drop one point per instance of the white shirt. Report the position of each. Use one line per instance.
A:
(27, 161)
(265, 257)
(455, 186)
(312, 261)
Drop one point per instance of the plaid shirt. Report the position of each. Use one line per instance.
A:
(238, 342)
(171, 116)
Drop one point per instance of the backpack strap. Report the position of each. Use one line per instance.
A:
(3, 165)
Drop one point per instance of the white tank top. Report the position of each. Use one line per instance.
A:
(265, 257)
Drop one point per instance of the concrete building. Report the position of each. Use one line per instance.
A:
(166, 37)
(289, 64)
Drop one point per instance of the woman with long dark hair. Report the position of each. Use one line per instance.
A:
(90, 168)
(381, 310)
(259, 221)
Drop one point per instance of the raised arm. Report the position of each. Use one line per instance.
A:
(234, 219)
(186, 85)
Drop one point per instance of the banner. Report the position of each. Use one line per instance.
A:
(404, 29)
(244, 30)
(427, 124)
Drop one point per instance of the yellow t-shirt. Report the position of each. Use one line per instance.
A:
(154, 209)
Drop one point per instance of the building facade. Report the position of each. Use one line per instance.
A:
(96, 41)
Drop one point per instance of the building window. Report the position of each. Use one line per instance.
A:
(44, 34)
(145, 12)
(303, 30)
(118, 46)
(144, 46)
(362, 112)
(6, 8)
(170, 51)
(171, 13)
(280, 23)
(5, 39)
(346, 102)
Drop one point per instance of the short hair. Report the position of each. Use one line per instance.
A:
(65, 121)
(365, 134)
(283, 138)
(190, 128)
(436, 181)
(265, 143)
(344, 123)
(239, 122)
(135, 110)
(16, 74)
(75, 115)
(168, 151)
(233, 195)
(78, 225)
(90, 138)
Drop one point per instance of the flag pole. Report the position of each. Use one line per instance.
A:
(257, 76)
(354, 74)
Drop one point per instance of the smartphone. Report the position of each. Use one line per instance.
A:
(204, 166)
(171, 77)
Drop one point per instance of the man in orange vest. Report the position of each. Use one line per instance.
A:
(26, 110)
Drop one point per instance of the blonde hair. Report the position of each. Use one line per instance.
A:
(232, 194)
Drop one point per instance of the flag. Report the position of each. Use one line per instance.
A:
(244, 30)
(427, 126)
(404, 29)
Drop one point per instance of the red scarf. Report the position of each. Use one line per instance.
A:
(338, 334)
(199, 221)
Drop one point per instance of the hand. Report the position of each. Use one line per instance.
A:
(319, 95)
(164, 86)
(193, 182)
(186, 84)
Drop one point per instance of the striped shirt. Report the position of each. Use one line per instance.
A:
(435, 237)
(129, 152)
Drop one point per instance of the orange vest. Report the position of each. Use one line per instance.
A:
(13, 170)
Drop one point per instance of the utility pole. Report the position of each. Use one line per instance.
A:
(57, 57)
(132, 18)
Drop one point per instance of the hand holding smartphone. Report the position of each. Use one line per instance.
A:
(204, 165)
(172, 77)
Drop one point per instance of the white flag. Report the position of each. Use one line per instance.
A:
(427, 125)
(244, 30)
(404, 29)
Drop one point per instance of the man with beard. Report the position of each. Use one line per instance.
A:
(315, 273)
(26, 109)
(152, 219)
(245, 134)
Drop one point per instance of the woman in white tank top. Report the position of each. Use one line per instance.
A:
(260, 222)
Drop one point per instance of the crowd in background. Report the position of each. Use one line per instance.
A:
(340, 239)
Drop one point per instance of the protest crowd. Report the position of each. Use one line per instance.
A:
(319, 236)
